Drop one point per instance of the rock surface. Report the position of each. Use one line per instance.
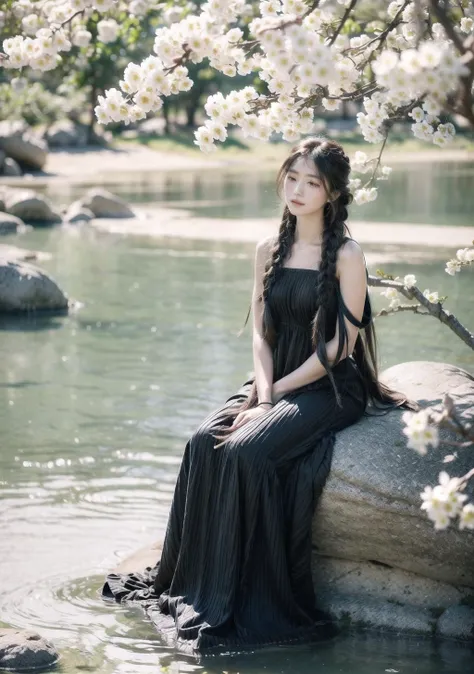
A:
(65, 133)
(11, 168)
(24, 287)
(22, 145)
(78, 213)
(104, 204)
(370, 507)
(29, 206)
(378, 562)
(10, 223)
(23, 650)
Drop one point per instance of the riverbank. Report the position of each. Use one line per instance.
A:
(116, 164)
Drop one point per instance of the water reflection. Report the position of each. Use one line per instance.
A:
(438, 193)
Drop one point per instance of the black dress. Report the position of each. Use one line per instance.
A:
(235, 569)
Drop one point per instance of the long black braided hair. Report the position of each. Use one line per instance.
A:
(334, 167)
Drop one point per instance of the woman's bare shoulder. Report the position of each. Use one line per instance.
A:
(350, 249)
(265, 246)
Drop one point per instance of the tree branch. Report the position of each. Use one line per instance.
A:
(433, 308)
(342, 22)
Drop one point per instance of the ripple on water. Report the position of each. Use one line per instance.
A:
(88, 632)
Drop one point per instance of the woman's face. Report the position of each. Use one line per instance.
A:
(303, 184)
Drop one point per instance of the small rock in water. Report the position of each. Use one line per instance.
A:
(23, 649)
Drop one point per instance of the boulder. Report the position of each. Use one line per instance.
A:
(104, 204)
(370, 595)
(68, 133)
(25, 650)
(22, 145)
(24, 287)
(10, 223)
(378, 563)
(65, 133)
(78, 213)
(370, 507)
(378, 560)
(11, 168)
(30, 207)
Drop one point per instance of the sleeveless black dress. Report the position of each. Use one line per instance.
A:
(235, 569)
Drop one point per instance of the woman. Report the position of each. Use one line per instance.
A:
(235, 569)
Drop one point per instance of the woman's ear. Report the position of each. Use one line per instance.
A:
(334, 196)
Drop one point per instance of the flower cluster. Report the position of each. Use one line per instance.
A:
(416, 65)
(362, 164)
(392, 293)
(419, 431)
(464, 256)
(444, 502)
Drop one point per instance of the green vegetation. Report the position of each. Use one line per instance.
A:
(238, 148)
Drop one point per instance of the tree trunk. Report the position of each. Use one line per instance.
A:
(93, 102)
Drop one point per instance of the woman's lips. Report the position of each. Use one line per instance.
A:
(298, 203)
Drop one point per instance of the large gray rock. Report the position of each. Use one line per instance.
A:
(24, 287)
(22, 145)
(378, 562)
(370, 595)
(104, 204)
(24, 650)
(10, 223)
(30, 207)
(11, 168)
(65, 133)
(370, 507)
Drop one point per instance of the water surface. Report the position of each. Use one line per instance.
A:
(95, 410)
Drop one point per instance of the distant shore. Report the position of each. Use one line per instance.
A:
(90, 165)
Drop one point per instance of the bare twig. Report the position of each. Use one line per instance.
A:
(342, 22)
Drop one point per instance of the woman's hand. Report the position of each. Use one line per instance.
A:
(243, 417)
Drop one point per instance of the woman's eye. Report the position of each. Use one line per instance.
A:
(290, 178)
(314, 184)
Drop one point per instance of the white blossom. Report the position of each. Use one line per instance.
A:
(465, 254)
(453, 267)
(419, 431)
(466, 517)
(467, 24)
(418, 114)
(81, 38)
(204, 139)
(107, 30)
(430, 295)
(409, 281)
(365, 195)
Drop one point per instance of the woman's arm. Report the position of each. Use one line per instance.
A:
(262, 352)
(353, 284)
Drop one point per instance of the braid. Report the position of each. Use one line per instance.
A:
(278, 254)
(333, 236)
